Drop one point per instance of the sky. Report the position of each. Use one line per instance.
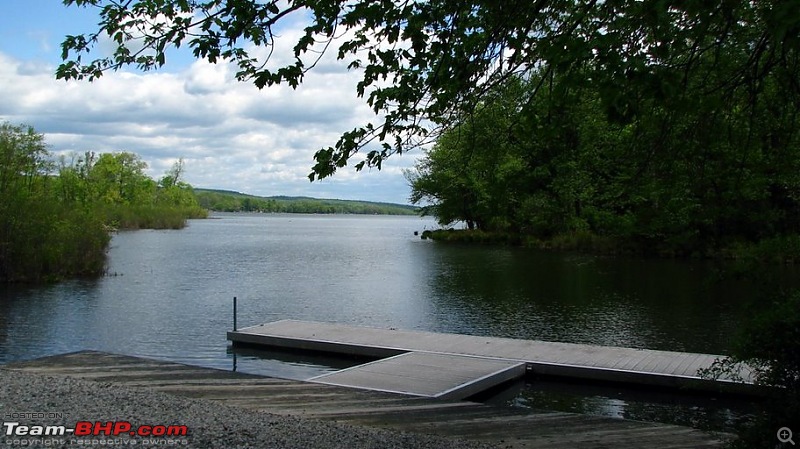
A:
(230, 134)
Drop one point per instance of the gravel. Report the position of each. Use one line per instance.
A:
(65, 401)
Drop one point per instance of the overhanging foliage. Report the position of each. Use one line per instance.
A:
(433, 62)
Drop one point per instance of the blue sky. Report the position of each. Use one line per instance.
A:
(230, 134)
(28, 27)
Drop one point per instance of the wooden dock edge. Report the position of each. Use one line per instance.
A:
(532, 368)
(484, 383)
(644, 379)
(311, 345)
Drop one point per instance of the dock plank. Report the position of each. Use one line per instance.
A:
(511, 428)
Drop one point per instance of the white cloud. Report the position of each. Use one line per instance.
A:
(207, 79)
(230, 134)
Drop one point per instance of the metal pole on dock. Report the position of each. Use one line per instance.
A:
(234, 314)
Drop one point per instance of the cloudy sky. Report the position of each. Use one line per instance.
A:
(230, 134)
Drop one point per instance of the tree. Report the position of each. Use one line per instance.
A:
(173, 190)
(174, 175)
(23, 160)
(426, 65)
(119, 178)
(440, 182)
(473, 171)
(40, 236)
(73, 177)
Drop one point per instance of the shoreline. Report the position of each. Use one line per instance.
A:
(64, 401)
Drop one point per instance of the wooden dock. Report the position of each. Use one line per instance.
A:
(428, 374)
(508, 427)
(599, 363)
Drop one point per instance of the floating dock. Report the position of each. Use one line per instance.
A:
(510, 428)
(413, 362)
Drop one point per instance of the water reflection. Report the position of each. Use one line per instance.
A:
(657, 304)
(46, 319)
(288, 364)
(701, 411)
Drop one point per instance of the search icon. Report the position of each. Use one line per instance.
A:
(785, 435)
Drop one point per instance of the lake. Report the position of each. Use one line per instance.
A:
(168, 294)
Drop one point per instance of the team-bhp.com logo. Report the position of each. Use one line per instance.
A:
(97, 428)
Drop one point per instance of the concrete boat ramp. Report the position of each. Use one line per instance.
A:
(457, 366)
(504, 427)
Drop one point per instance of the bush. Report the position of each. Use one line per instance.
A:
(770, 344)
(124, 216)
(43, 240)
(780, 249)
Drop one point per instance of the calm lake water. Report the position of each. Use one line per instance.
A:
(169, 293)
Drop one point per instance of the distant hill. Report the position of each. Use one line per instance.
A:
(231, 201)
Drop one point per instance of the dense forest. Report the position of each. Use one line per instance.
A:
(549, 161)
(56, 214)
(227, 201)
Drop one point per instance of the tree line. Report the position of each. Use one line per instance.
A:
(225, 201)
(56, 214)
(546, 161)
